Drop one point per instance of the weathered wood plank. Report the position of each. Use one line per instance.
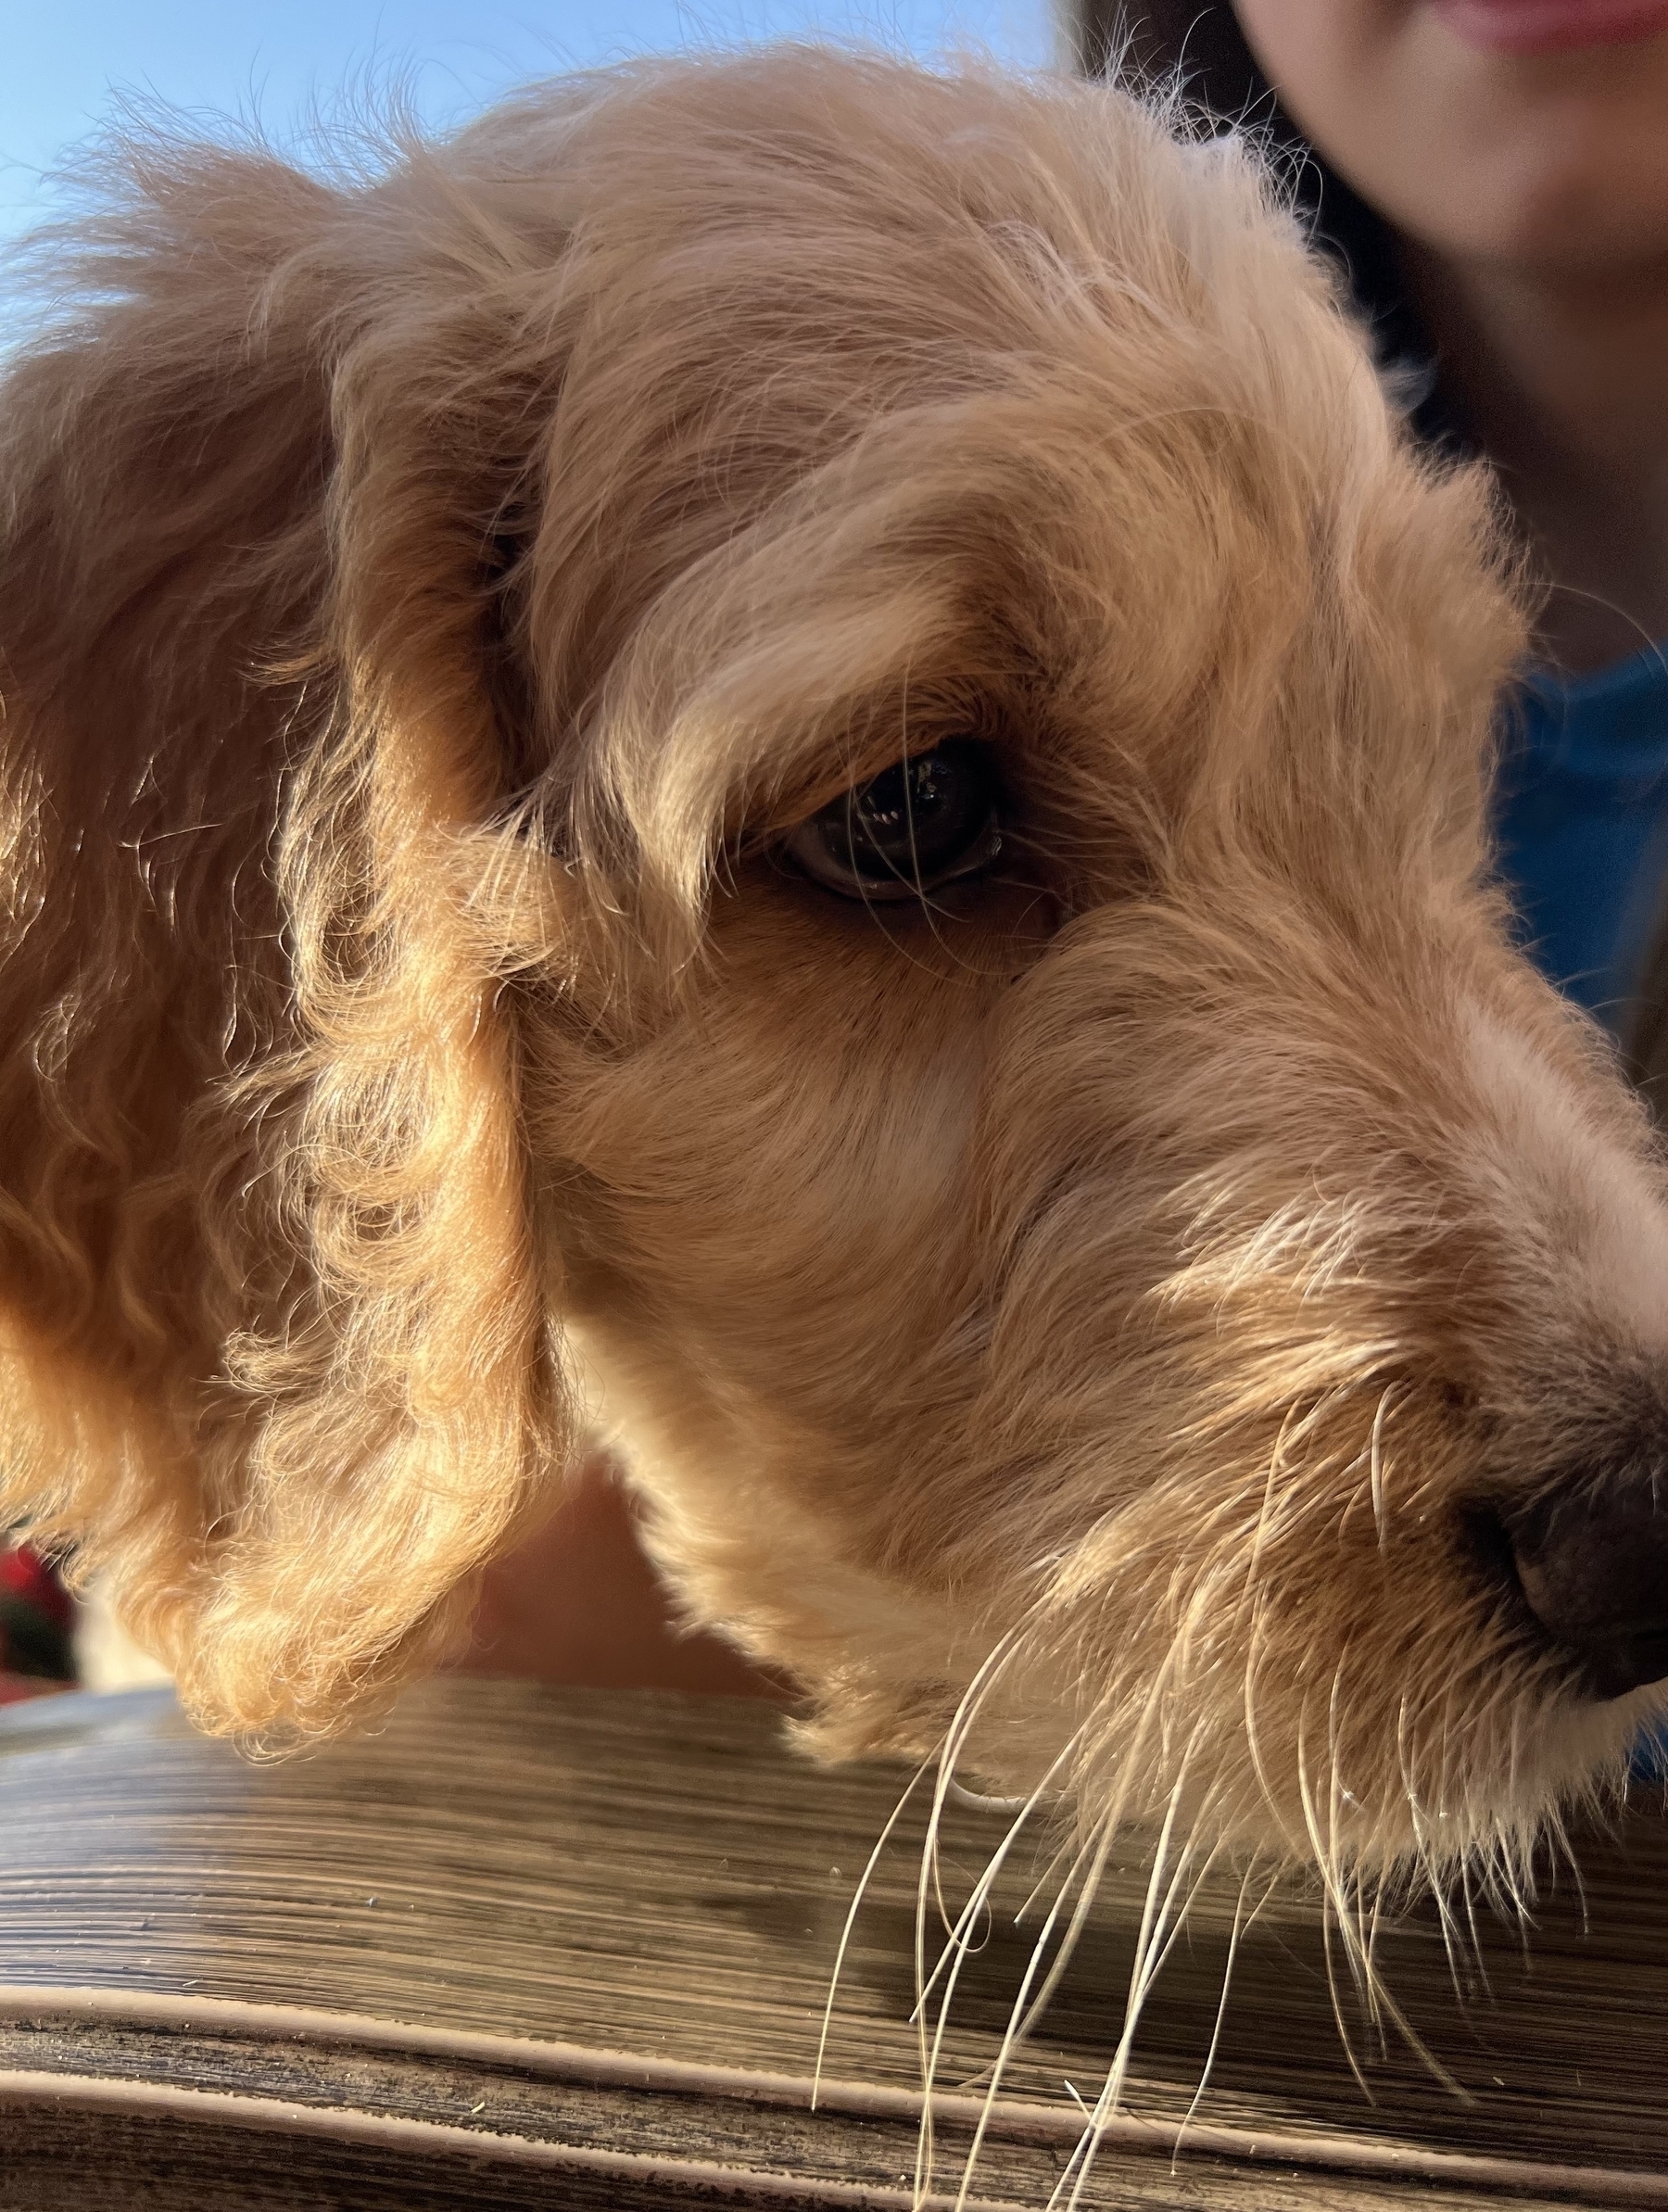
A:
(597, 1928)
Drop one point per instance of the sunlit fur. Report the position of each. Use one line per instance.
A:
(429, 596)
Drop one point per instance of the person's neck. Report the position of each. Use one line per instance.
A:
(1563, 381)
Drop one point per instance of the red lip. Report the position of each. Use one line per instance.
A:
(1552, 26)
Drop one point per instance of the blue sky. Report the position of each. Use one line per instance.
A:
(67, 62)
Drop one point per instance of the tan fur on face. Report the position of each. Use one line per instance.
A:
(426, 604)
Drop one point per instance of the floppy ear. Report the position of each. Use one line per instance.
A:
(277, 1365)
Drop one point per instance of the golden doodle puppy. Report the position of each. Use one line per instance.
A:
(783, 759)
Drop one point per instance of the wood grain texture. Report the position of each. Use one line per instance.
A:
(528, 1946)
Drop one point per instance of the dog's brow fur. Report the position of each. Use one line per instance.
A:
(429, 596)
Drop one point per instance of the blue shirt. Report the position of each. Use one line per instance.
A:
(1582, 815)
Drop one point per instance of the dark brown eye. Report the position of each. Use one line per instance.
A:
(925, 822)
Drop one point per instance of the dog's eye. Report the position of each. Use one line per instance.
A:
(925, 822)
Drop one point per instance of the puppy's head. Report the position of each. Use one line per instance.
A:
(783, 757)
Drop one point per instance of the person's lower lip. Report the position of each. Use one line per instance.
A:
(1552, 26)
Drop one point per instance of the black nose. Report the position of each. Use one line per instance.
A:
(1592, 1558)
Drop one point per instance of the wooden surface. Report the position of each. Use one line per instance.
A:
(553, 1948)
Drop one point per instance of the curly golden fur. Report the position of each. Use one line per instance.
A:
(1104, 1285)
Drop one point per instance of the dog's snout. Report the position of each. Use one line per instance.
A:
(1591, 1558)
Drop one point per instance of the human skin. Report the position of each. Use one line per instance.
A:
(1528, 186)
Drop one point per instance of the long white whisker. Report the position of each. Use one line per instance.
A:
(961, 1723)
(980, 1894)
(955, 1735)
(1334, 1909)
(956, 1948)
(1242, 1925)
(1145, 1940)
(1376, 1463)
(851, 1922)
(1018, 2017)
(1061, 1965)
